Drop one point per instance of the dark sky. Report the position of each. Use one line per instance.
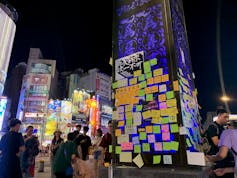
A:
(75, 32)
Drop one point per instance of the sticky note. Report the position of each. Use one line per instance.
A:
(158, 72)
(174, 145)
(147, 67)
(166, 136)
(120, 109)
(165, 128)
(115, 85)
(126, 146)
(167, 159)
(153, 62)
(154, 89)
(120, 123)
(142, 135)
(137, 73)
(176, 85)
(137, 148)
(151, 138)
(146, 114)
(155, 113)
(138, 161)
(162, 97)
(148, 75)
(115, 115)
(170, 95)
(158, 146)
(149, 97)
(125, 157)
(171, 103)
(156, 129)
(163, 112)
(135, 140)
(133, 81)
(110, 148)
(156, 120)
(149, 129)
(174, 128)
(117, 149)
(128, 115)
(122, 138)
(165, 78)
(137, 118)
(141, 92)
(172, 119)
(128, 107)
(148, 90)
(146, 147)
(150, 81)
(162, 88)
(165, 120)
(118, 132)
(121, 116)
(141, 77)
(166, 146)
(182, 131)
(138, 108)
(141, 129)
(129, 122)
(142, 84)
(162, 105)
(156, 159)
(188, 142)
(157, 79)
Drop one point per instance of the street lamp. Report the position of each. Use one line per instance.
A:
(225, 98)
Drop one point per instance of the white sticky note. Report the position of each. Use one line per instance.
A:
(182, 130)
(137, 118)
(122, 138)
(125, 157)
(196, 158)
(135, 140)
(167, 159)
(138, 161)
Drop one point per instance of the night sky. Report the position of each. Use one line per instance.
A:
(51, 26)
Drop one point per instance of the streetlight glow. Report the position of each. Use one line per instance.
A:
(225, 98)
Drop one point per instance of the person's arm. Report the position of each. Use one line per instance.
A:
(222, 171)
(212, 133)
(215, 140)
(220, 155)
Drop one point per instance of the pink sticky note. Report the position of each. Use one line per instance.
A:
(151, 138)
(165, 128)
(163, 105)
(158, 146)
(166, 136)
(127, 146)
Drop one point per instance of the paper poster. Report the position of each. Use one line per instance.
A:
(151, 138)
(167, 159)
(158, 146)
(122, 138)
(138, 161)
(146, 147)
(156, 159)
(126, 66)
(135, 140)
(126, 146)
(125, 157)
(137, 148)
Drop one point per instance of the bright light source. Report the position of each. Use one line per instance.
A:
(225, 98)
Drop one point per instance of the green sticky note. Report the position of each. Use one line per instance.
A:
(115, 85)
(170, 95)
(148, 75)
(141, 92)
(156, 159)
(137, 148)
(188, 142)
(118, 149)
(153, 61)
(110, 148)
(146, 147)
(147, 67)
(141, 78)
(165, 120)
(156, 129)
(129, 122)
(174, 145)
(138, 108)
(142, 84)
(149, 97)
(142, 135)
(174, 128)
(128, 115)
(166, 146)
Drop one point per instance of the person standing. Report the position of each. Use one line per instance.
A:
(31, 151)
(56, 142)
(11, 146)
(84, 142)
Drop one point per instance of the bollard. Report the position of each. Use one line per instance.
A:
(41, 166)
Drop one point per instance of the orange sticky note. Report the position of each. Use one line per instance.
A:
(149, 129)
(154, 89)
(148, 90)
(150, 81)
(165, 78)
(120, 123)
(158, 72)
(176, 85)
(118, 132)
(157, 79)
(162, 97)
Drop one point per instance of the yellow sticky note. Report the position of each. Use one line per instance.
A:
(155, 113)
(137, 73)
(149, 129)
(133, 81)
(176, 85)
(120, 123)
(156, 120)
(171, 103)
(118, 132)
(150, 81)
(125, 157)
(148, 90)
(157, 79)
(173, 119)
(165, 78)
(158, 72)
(128, 115)
(146, 114)
(162, 97)
(138, 161)
(128, 108)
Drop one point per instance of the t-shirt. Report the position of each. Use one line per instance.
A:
(85, 145)
(228, 139)
(105, 142)
(212, 132)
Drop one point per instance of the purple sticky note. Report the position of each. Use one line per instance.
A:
(165, 128)
(158, 146)
(163, 105)
(166, 136)
(151, 138)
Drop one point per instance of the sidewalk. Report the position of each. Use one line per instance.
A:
(47, 168)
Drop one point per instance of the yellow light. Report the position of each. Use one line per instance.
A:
(225, 98)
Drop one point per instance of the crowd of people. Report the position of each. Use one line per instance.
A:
(78, 156)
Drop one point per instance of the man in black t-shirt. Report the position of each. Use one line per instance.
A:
(84, 141)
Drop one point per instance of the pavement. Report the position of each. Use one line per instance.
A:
(47, 167)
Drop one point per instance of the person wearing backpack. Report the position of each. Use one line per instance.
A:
(227, 142)
(31, 151)
(213, 133)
